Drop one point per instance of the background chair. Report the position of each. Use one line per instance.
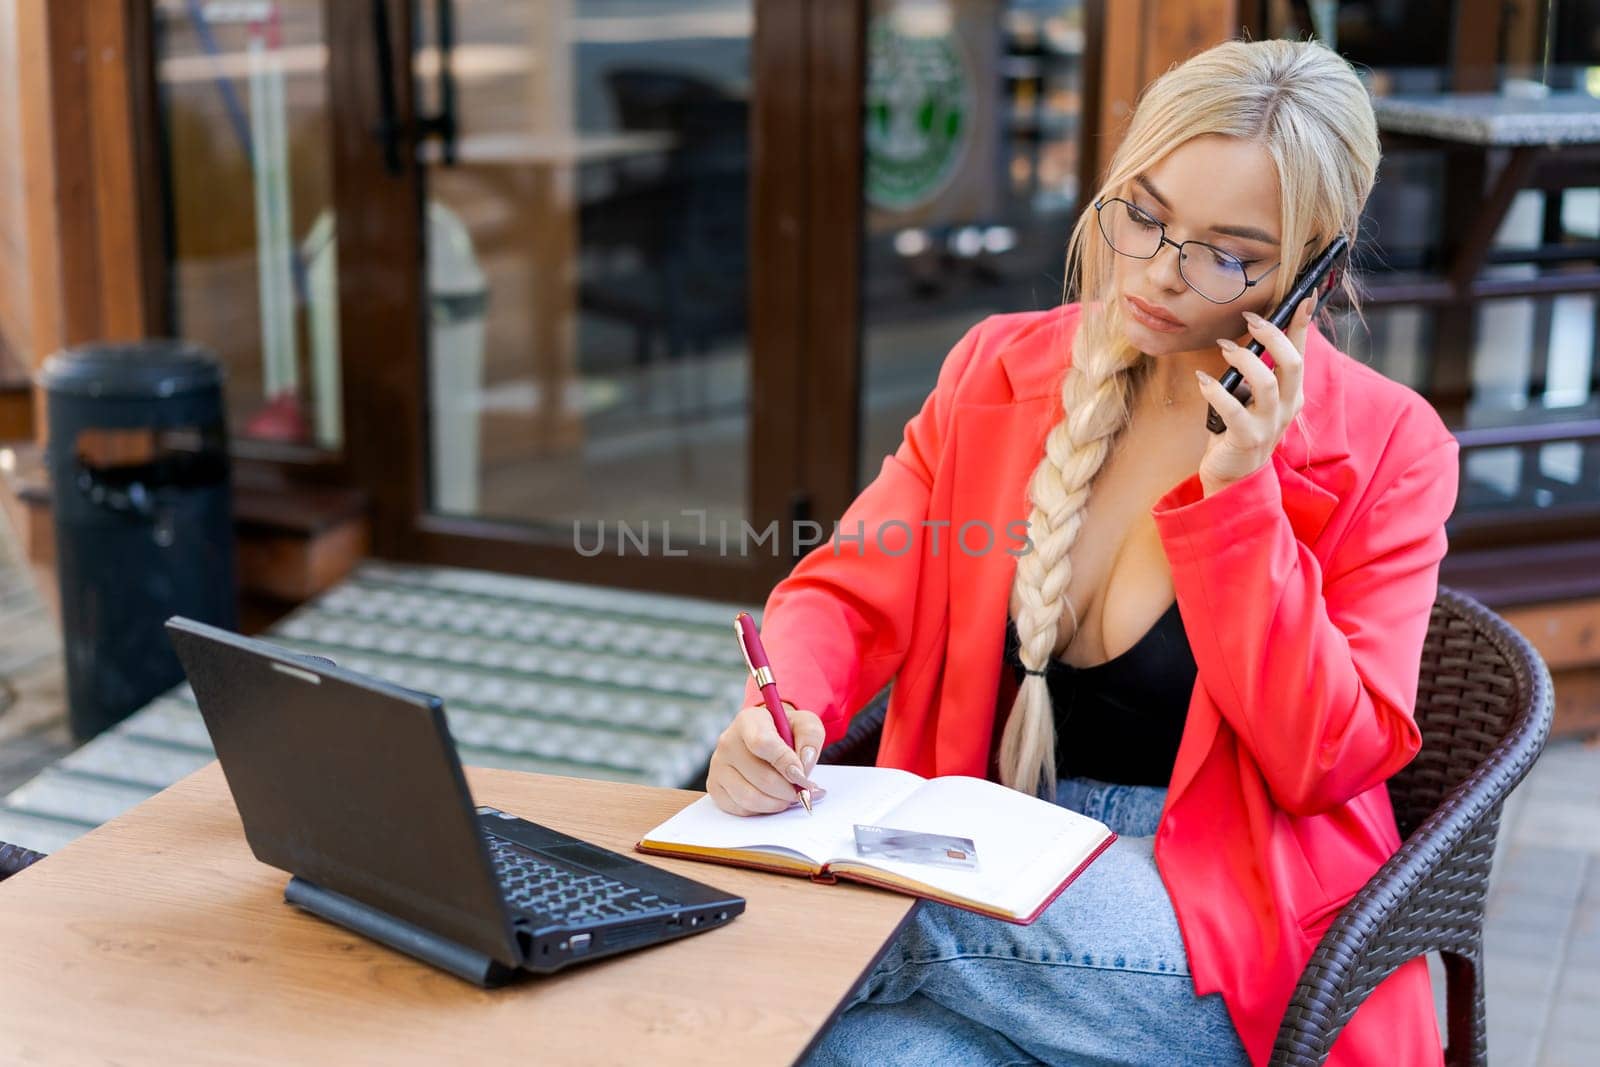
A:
(683, 224)
(1484, 705)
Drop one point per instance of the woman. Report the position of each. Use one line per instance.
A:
(1215, 650)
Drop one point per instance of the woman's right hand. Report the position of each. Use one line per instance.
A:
(753, 772)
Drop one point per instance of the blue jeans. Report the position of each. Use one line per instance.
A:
(1101, 977)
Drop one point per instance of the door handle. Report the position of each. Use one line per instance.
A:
(392, 132)
(443, 124)
(389, 129)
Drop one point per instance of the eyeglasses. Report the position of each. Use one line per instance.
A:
(1216, 275)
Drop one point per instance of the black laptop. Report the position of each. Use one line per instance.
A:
(352, 785)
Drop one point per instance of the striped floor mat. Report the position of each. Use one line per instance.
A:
(536, 675)
(33, 702)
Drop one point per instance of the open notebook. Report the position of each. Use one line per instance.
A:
(1028, 850)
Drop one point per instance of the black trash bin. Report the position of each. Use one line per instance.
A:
(143, 510)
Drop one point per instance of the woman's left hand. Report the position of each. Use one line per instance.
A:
(1254, 431)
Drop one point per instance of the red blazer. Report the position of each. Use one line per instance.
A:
(1305, 590)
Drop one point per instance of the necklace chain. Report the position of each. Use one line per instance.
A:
(1167, 399)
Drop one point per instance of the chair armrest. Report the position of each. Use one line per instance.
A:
(1429, 896)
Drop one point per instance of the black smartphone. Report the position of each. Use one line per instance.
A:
(1315, 274)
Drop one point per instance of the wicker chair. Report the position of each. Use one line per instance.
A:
(1484, 703)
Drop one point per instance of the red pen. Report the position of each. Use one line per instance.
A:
(755, 657)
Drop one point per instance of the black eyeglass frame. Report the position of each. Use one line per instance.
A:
(1249, 283)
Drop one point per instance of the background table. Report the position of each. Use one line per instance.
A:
(1547, 142)
(159, 938)
(1493, 148)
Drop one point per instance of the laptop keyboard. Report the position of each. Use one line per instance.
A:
(565, 894)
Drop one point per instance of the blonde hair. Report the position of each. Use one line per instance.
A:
(1305, 106)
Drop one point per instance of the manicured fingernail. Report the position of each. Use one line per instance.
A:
(1203, 376)
(1227, 342)
(795, 774)
(807, 756)
(1252, 318)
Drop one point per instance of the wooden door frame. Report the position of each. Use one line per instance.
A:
(805, 229)
(804, 321)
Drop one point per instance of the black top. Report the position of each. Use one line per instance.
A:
(1121, 720)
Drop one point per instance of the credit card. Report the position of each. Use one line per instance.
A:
(915, 846)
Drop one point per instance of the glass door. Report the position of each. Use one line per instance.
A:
(973, 126)
(597, 275)
(243, 109)
(586, 193)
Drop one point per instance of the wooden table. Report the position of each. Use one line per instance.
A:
(159, 938)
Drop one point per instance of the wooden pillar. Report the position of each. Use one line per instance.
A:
(1475, 49)
(81, 68)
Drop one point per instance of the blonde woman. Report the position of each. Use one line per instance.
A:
(1209, 641)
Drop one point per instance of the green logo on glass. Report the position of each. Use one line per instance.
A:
(917, 103)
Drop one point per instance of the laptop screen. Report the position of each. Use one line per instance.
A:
(348, 782)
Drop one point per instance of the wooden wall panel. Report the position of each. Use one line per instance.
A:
(15, 290)
(1142, 39)
(1476, 48)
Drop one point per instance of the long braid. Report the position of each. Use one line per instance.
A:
(1306, 107)
(1095, 396)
